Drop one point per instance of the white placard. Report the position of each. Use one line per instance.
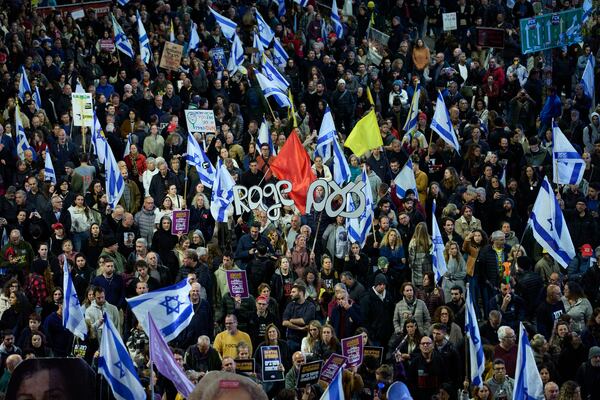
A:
(83, 109)
(200, 121)
(77, 14)
(449, 21)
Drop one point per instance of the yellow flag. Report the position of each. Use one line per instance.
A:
(291, 109)
(365, 135)
(369, 96)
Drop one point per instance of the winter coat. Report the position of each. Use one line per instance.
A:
(418, 310)
(378, 315)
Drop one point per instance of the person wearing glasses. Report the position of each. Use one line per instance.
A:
(226, 342)
(427, 370)
(506, 350)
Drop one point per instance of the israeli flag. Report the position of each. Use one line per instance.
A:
(303, 3)
(24, 85)
(49, 173)
(326, 136)
(358, 228)
(442, 125)
(281, 8)
(73, 318)
(528, 383)
(587, 79)
(122, 3)
(273, 74)
(228, 27)
(194, 38)
(145, 49)
(197, 157)
(588, 8)
(79, 88)
(405, 180)
(127, 146)
(477, 359)
(265, 33)
(335, 390)
(171, 309)
(257, 44)
(121, 41)
(37, 98)
(269, 89)
(264, 136)
(413, 113)
(439, 262)
(236, 57)
(341, 169)
(22, 142)
(550, 227)
(116, 366)
(99, 140)
(337, 22)
(115, 185)
(222, 195)
(4, 240)
(569, 167)
(503, 176)
(280, 56)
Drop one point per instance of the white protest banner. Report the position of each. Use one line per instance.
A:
(83, 109)
(201, 121)
(449, 21)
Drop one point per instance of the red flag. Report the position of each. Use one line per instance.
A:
(293, 164)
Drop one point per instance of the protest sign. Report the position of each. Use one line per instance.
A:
(171, 56)
(352, 348)
(309, 373)
(218, 56)
(245, 366)
(271, 370)
(237, 283)
(375, 352)
(490, 37)
(331, 367)
(83, 109)
(449, 21)
(551, 30)
(181, 222)
(200, 121)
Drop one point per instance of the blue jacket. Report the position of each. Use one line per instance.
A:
(552, 109)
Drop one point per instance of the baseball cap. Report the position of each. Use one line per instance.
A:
(586, 250)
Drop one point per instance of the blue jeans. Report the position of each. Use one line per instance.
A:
(78, 239)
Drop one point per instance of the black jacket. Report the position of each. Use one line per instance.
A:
(486, 266)
(378, 315)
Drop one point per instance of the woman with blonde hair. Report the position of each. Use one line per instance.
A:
(419, 253)
(277, 242)
(456, 269)
(392, 249)
(313, 336)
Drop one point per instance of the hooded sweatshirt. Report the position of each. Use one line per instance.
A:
(591, 133)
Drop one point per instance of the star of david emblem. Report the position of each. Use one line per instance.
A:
(76, 298)
(119, 366)
(171, 304)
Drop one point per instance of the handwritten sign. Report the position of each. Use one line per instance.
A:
(271, 364)
(237, 282)
(83, 109)
(309, 373)
(352, 348)
(181, 222)
(171, 56)
(331, 367)
(374, 352)
(245, 366)
(449, 21)
(200, 121)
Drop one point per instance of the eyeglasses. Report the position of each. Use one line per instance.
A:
(426, 343)
(261, 304)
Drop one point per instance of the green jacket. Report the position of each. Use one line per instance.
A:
(22, 252)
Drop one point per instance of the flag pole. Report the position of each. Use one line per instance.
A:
(316, 232)
(266, 100)
(467, 376)
(151, 364)
(430, 132)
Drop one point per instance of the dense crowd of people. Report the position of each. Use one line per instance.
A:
(310, 285)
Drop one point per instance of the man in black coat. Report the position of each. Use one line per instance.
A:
(377, 307)
(57, 215)
(160, 183)
(202, 322)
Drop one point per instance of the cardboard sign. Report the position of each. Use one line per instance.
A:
(200, 121)
(271, 361)
(331, 367)
(171, 56)
(237, 282)
(83, 109)
(309, 373)
(449, 21)
(352, 348)
(245, 366)
(181, 222)
(375, 352)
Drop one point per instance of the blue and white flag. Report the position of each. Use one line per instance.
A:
(327, 134)
(273, 74)
(588, 8)
(281, 8)
(550, 227)
(303, 3)
(171, 309)
(477, 359)
(37, 98)
(335, 19)
(145, 49)
(22, 142)
(121, 41)
(197, 157)
(271, 89)
(116, 366)
(79, 88)
(503, 176)
(228, 27)
(257, 44)
(587, 80)
(127, 146)
(4, 240)
(115, 185)
(72, 318)
(528, 382)
(99, 140)
(162, 356)
(49, 172)
(280, 56)
(341, 169)
(236, 58)
(122, 3)
(413, 113)
(568, 166)
(437, 254)
(358, 228)
(194, 38)
(24, 85)
(335, 390)
(442, 125)
(222, 195)
(264, 136)
(405, 180)
(265, 33)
